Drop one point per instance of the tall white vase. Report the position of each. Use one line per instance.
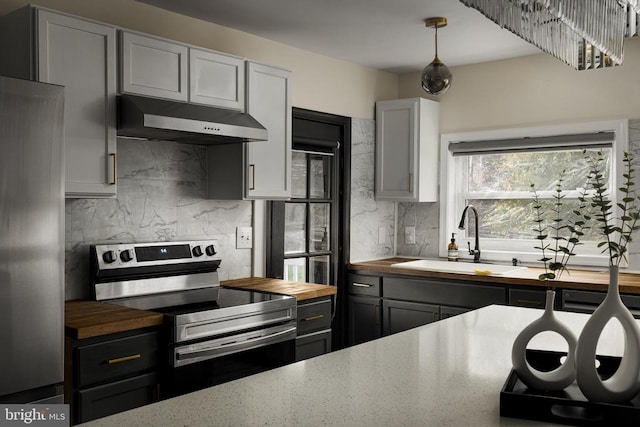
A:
(625, 382)
(558, 378)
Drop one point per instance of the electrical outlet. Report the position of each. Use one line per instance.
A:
(244, 237)
(410, 235)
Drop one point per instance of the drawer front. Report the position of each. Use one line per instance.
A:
(314, 316)
(528, 298)
(116, 358)
(468, 295)
(588, 301)
(119, 396)
(365, 285)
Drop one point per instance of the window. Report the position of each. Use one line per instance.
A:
(494, 170)
(307, 219)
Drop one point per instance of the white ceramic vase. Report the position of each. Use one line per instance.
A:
(624, 384)
(558, 378)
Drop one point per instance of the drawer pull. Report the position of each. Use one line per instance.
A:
(360, 285)
(123, 359)
(316, 317)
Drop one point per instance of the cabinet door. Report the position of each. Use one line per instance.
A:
(398, 316)
(312, 345)
(80, 55)
(364, 319)
(216, 79)
(153, 67)
(407, 141)
(268, 163)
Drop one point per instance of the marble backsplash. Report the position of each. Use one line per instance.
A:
(161, 197)
(368, 216)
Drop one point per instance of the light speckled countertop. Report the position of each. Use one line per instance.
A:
(447, 373)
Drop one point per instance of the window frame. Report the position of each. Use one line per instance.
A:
(503, 250)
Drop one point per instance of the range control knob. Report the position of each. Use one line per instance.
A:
(197, 251)
(211, 250)
(109, 257)
(126, 256)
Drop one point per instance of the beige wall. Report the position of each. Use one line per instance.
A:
(319, 82)
(534, 90)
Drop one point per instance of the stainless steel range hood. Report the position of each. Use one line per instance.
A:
(152, 118)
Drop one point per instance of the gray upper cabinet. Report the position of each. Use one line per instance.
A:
(79, 54)
(407, 140)
(216, 79)
(153, 67)
(257, 170)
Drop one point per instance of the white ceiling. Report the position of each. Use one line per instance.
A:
(388, 35)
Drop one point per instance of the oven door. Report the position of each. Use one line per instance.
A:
(198, 352)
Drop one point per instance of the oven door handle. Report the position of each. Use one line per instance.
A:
(232, 344)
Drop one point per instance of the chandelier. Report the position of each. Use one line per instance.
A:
(582, 34)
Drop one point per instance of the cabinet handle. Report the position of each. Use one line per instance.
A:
(360, 285)
(123, 359)
(316, 317)
(115, 169)
(410, 182)
(252, 169)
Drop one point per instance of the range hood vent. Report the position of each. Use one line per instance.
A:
(152, 118)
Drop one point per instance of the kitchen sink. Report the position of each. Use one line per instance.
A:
(460, 267)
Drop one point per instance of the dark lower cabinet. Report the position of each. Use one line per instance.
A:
(111, 373)
(313, 344)
(383, 305)
(398, 316)
(364, 319)
(118, 396)
(313, 327)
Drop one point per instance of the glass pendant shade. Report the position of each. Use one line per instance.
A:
(436, 77)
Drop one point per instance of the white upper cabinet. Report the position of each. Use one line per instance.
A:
(80, 55)
(216, 79)
(153, 67)
(164, 69)
(257, 170)
(269, 163)
(407, 141)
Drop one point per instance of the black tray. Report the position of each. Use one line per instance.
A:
(568, 406)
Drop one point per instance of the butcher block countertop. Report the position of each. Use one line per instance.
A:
(596, 280)
(87, 319)
(300, 290)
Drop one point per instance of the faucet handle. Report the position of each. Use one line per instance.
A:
(471, 251)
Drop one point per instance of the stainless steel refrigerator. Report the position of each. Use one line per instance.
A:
(31, 241)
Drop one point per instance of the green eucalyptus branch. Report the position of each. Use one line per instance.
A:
(562, 224)
(617, 232)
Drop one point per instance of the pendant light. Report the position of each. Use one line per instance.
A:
(436, 77)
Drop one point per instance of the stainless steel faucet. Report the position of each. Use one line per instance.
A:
(476, 250)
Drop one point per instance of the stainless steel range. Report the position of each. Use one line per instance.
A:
(203, 321)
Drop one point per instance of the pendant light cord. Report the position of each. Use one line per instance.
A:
(436, 40)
